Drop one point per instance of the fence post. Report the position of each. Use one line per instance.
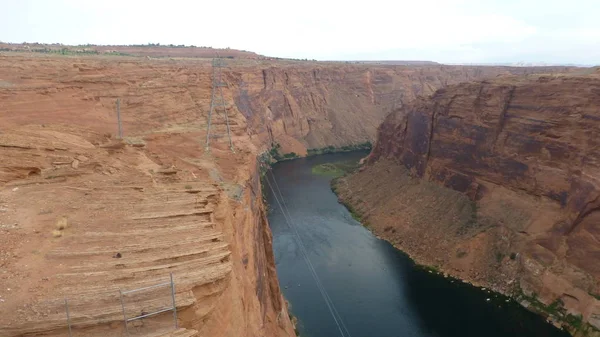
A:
(68, 316)
(124, 315)
(173, 298)
(119, 118)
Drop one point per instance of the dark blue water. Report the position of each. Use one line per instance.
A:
(377, 290)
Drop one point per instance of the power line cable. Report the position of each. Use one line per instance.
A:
(333, 311)
(302, 243)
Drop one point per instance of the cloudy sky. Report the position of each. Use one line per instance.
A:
(451, 31)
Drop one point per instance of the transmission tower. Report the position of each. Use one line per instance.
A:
(217, 102)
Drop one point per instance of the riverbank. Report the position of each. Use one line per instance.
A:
(274, 155)
(431, 212)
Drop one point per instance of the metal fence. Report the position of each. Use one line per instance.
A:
(173, 307)
(138, 304)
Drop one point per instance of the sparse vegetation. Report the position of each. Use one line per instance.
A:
(336, 169)
(274, 152)
(346, 148)
(556, 306)
(596, 296)
(293, 319)
(62, 223)
(290, 155)
(277, 156)
(77, 50)
(354, 213)
(574, 321)
(556, 311)
(327, 169)
(89, 49)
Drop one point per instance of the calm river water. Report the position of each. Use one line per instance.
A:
(377, 290)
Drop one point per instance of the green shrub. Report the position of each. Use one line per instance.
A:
(574, 321)
(274, 152)
(346, 148)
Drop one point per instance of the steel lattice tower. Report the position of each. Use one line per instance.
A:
(217, 102)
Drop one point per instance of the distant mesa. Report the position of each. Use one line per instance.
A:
(399, 62)
(150, 49)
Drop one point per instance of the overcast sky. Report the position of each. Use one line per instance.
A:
(451, 31)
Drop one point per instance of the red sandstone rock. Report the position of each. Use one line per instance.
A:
(54, 109)
(527, 149)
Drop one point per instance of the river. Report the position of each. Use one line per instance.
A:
(377, 290)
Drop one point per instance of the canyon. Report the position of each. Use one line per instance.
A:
(85, 214)
(495, 182)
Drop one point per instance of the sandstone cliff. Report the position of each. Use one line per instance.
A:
(84, 215)
(313, 105)
(497, 182)
(297, 104)
(157, 201)
(134, 213)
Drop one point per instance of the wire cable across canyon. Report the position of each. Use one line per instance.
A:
(334, 313)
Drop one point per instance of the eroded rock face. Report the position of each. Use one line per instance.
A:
(313, 105)
(538, 136)
(299, 105)
(157, 201)
(525, 151)
(125, 217)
